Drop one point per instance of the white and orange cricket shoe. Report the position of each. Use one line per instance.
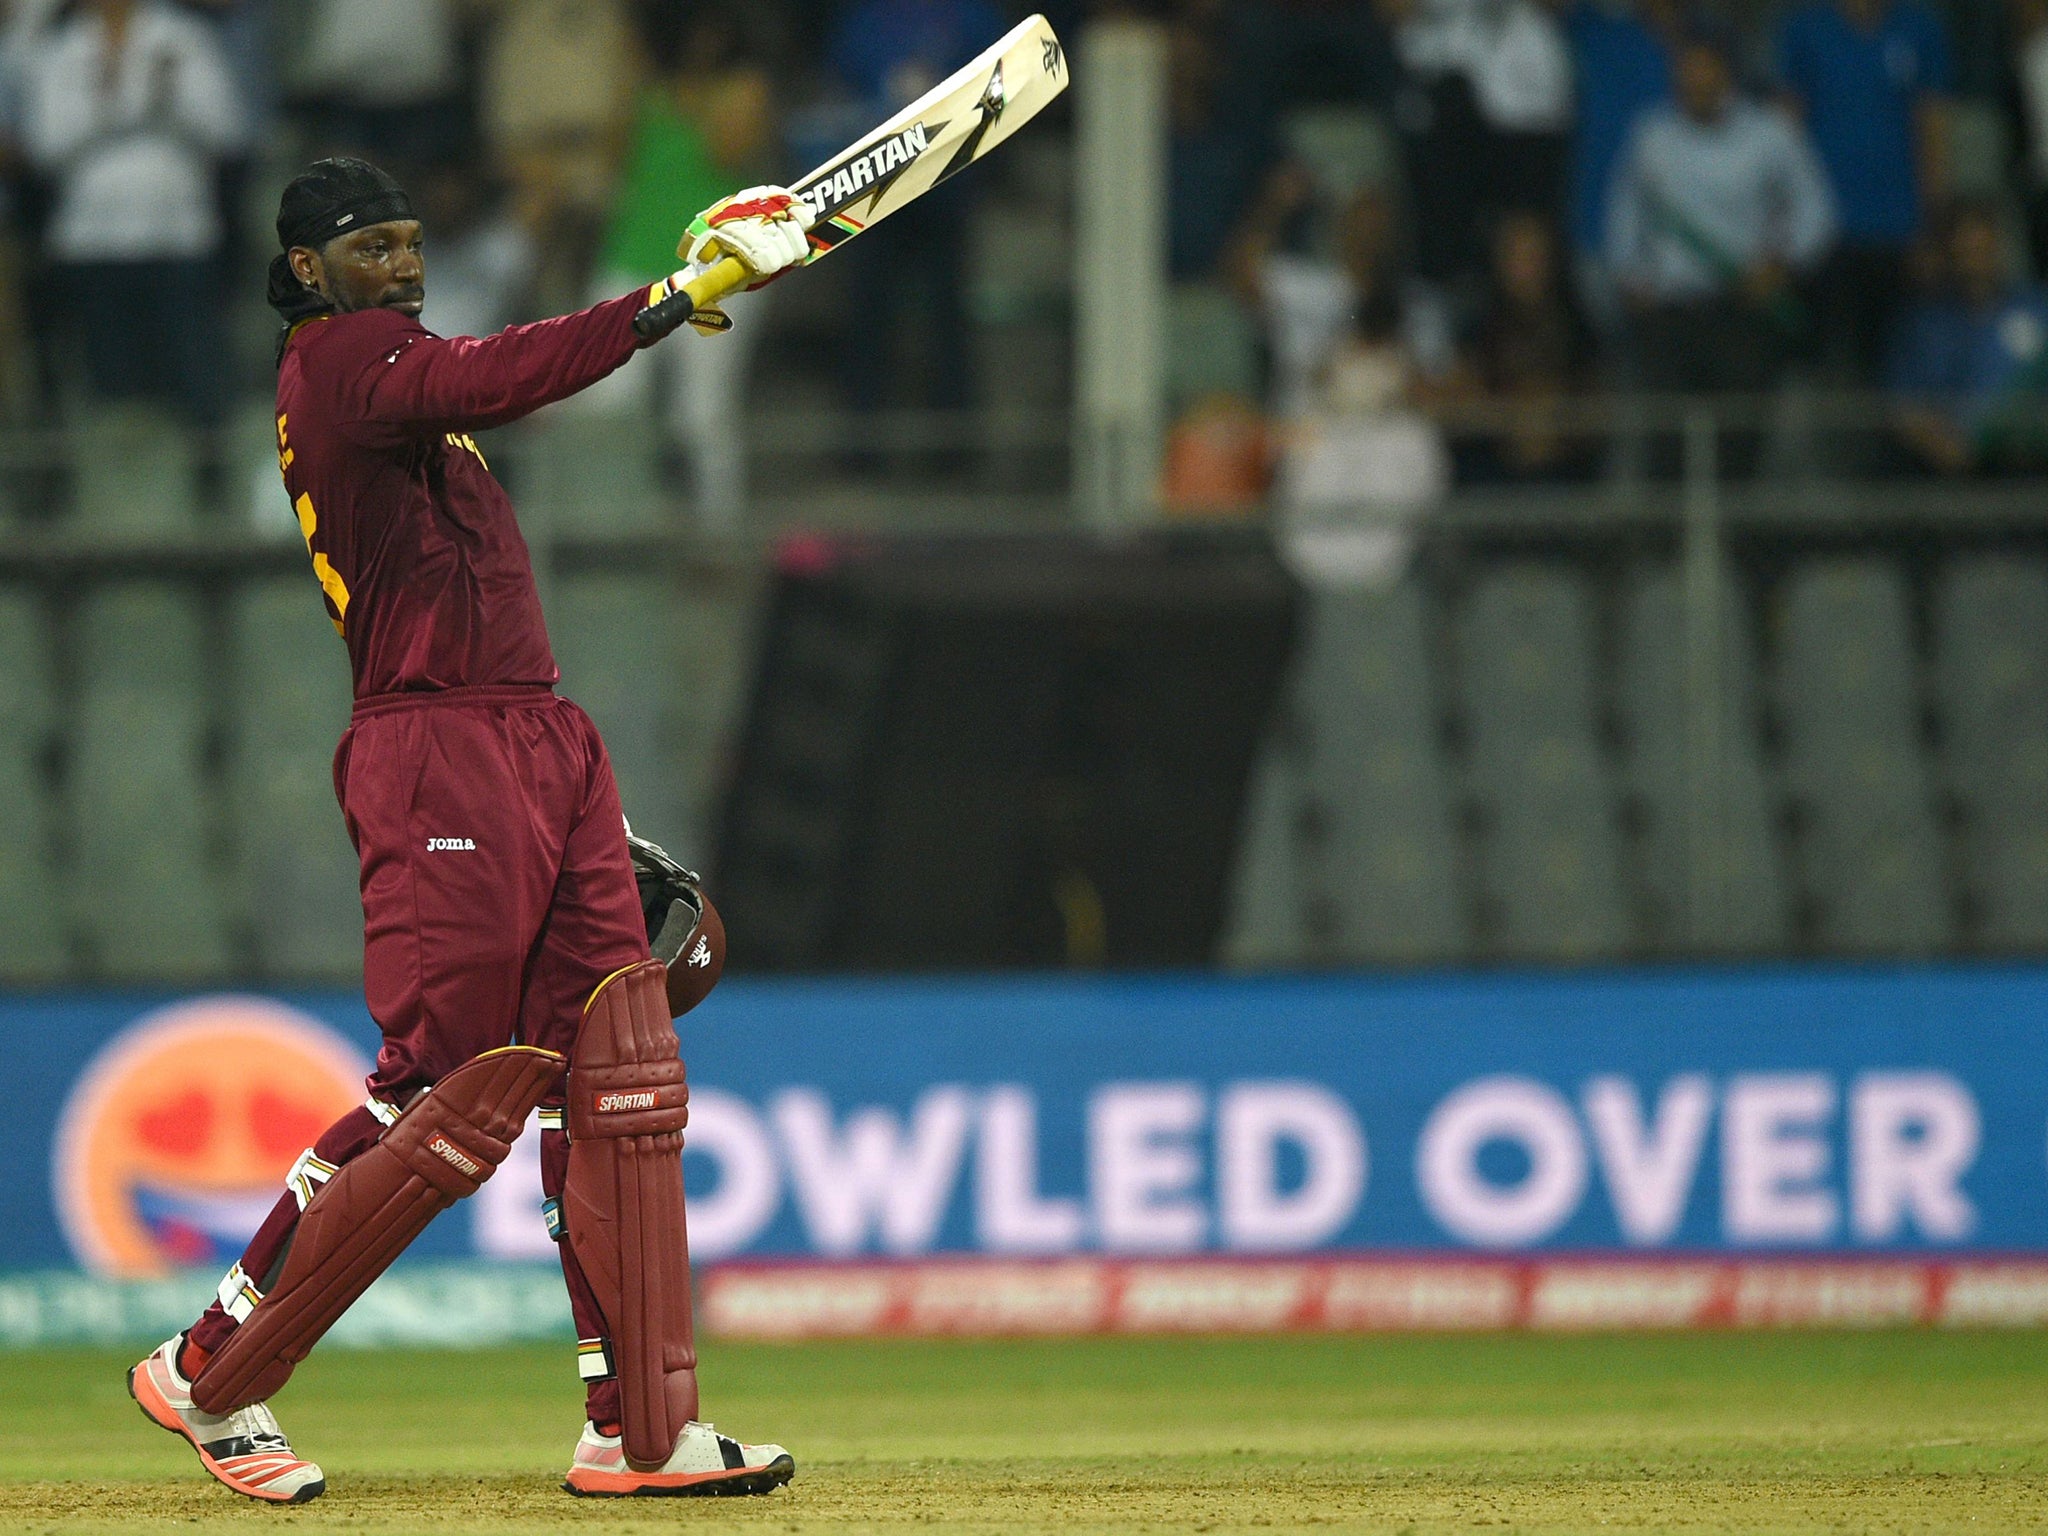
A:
(705, 1463)
(244, 1449)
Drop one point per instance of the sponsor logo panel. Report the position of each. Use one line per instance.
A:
(176, 1140)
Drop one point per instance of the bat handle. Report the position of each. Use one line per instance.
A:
(657, 320)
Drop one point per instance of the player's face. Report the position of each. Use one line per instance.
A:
(382, 266)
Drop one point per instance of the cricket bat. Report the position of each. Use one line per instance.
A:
(952, 125)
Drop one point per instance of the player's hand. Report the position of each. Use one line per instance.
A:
(765, 227)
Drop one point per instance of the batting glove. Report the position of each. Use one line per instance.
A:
(765, 227)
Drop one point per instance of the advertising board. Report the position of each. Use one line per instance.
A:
(1502, 1137)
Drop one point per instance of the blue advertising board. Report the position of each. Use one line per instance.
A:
(1786, 1111)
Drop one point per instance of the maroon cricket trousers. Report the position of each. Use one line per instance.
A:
(497, 894)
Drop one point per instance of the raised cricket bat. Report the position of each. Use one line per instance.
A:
(952, 125)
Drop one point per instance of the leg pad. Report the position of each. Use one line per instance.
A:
(442, 1148)
(622, 1202)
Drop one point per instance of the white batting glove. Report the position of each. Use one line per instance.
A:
(763, 226)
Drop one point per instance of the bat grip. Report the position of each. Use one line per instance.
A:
(657, 320)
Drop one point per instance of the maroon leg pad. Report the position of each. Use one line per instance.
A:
(443, 1147)
(622, 1202)
(341, 1143)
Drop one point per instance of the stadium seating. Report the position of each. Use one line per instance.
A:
(1381, 859)
(587, 471)
(33, 941)
(291, 702)
(132, 471)
(1847, 701)
(1212, 346)
(1747, 909)
(624, 658)
(1267, 926)
(148, 881)
(1990, 633)
(1549, 850)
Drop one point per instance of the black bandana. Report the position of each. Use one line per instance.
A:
(328, 198)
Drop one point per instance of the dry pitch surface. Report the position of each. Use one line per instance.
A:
(1877, 1432)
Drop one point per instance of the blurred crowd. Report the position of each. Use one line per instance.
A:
(1504, 205)
(554, 149)
(1377, 210)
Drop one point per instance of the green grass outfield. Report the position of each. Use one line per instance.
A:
(1733, 1432)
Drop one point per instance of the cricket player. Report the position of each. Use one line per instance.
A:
(506, 955)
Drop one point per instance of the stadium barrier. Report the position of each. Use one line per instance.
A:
(1030, 1154)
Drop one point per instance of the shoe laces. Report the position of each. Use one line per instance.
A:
(256, 1424)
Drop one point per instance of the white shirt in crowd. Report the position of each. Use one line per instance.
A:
(130, 140)
(1308, 306)
(379, 53)
(1695, 205)
(1511, 51)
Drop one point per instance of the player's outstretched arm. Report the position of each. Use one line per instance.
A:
(413, 379)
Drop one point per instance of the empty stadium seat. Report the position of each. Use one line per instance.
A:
(1990, 629)
(1846, 685)
(149, 888)
(1212, 346)
(1385, 862)
(1265, 921)
(587, 472)
(1550, 858)
(132, 470)
(1749, 906)
(1847, 665)
(33, 938)
(625, 657)
(298, 872)
(1872, 854)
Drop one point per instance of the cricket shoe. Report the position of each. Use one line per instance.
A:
(705, 1463)
(244, 1449)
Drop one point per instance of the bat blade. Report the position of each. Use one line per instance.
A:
(948, 128)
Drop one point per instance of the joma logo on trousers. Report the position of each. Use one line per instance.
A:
(451, 845)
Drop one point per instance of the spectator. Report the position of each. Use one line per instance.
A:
(1359, 463)
(1310, 304)
(1214, 158)
(128, 107)
(1355, 346)
(1529, 352)
(1718, 204)
(559, 80)
(383, 78)
(705, 129)
(1970, 368)
(1484, 118)
(1870, 78)
(1289, 53)
(483, 259)
(1621, 59)
(27, 346)
(2028, 90)
(246, 31)
(911, 291)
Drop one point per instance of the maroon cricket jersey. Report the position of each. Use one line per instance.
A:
(414, 542)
